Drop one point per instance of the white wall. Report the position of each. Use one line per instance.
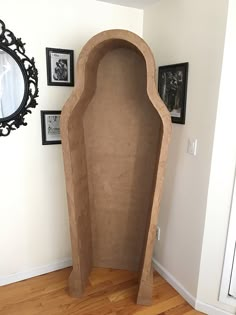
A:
(188, 31)
(33, 209)
(222, 175)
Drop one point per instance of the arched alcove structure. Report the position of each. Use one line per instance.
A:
(115, 132)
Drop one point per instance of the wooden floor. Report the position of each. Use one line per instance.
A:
(110, 292)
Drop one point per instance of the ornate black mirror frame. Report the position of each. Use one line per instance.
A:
(15, 48)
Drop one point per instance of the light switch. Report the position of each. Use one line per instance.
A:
(192, 146)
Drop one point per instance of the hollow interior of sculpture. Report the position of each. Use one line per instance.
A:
(114, 135)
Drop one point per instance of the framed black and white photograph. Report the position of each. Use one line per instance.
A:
(60, 66)
(50, 123)
(172, 87)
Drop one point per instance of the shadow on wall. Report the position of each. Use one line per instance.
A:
(167, 201)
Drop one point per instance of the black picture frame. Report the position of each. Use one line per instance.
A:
(172, 87)
(50, 125)
(60, 67)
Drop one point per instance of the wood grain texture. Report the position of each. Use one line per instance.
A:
(121, 129)
(109, 292)
(115, 134)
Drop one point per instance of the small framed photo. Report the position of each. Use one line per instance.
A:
(60, 66)
(172, 87)
(50, 123)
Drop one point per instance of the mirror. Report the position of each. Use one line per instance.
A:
(11, 85)
(18, 82)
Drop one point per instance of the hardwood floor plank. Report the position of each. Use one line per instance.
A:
(162, 306)
(193, 312)
(109, 292)
(122, 294)
(178, 310)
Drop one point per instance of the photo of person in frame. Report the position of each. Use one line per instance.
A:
(61, 70)
(172, 87)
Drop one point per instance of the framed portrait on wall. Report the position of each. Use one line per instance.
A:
(172, 87)
(60, 66)
(50, 124)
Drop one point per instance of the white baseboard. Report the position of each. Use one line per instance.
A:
(210, 309)
(174, 283)
(34, 272)
(198, 305)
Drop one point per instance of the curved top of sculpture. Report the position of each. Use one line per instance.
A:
(92, 53)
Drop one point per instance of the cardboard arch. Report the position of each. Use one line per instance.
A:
(115, 133)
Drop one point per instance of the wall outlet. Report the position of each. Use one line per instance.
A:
(192, 147)
(158, 233)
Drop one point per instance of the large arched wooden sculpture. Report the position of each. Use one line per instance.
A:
(115, 132)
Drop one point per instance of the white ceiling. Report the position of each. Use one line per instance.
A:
(140, 4)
